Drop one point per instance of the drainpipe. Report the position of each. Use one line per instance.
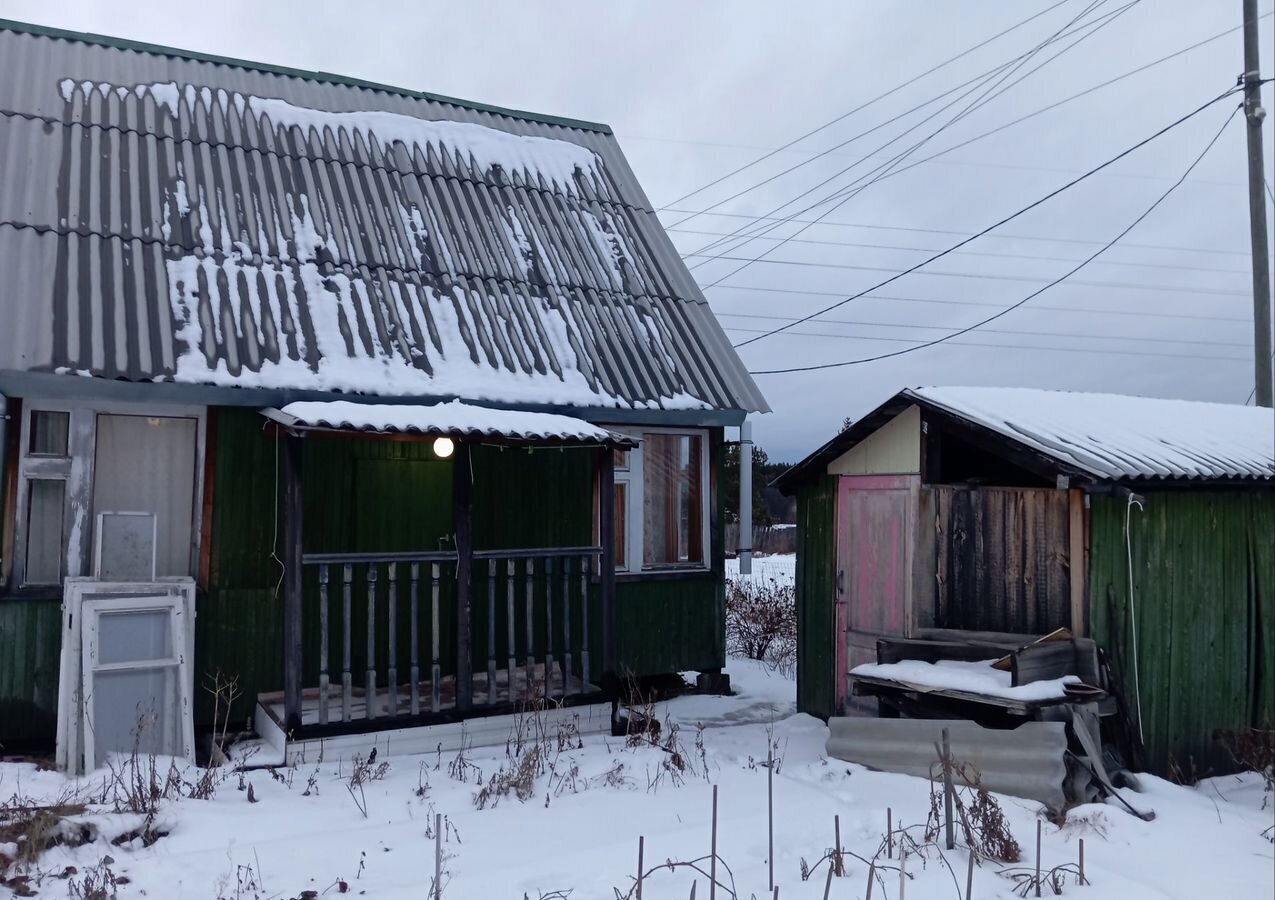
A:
(745, 547)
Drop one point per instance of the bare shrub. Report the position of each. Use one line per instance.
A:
(979, 815)
(761, 623)
(97, 883)
(364, 769)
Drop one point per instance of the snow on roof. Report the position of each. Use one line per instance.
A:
(1122, 437)
(276, 231)
(454, 418)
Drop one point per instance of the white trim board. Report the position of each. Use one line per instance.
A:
(481, 731)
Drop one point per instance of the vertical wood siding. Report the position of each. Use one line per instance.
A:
(1204, 595)
(370, 496)
(1002, 559)
(816, 589)
(30, 641)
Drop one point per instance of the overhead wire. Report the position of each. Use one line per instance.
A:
(1012, 216)
(862, 106)
(989, 93)
(1096, 87)
(1088, 310)
(1005, 236)
(991, 253)
(1112, 242)
(969, 87)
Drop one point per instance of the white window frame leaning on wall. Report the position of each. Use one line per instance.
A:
(74, 469)
(630, 558)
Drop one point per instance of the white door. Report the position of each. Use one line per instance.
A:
(136, 677)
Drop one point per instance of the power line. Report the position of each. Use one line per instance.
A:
(1020, 119)
(859, 185)
(1086, 310)
(1046, 347)
(1004, 71)
(865, 105)
(1168, 288)
(1013, 331)
(625, 137)
(1035, 306)
(1063, 277)
(1001, 237)
(990, 253)
(1054, 193)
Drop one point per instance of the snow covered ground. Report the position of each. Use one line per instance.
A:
(284, 832)
(578, 830)
(782, 567)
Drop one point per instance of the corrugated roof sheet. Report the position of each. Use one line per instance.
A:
(1119, 437)
(454, 418)
(167, 217)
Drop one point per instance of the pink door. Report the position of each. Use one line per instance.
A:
(875, 522)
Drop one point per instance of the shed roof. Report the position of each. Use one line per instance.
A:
(455, 419)
(175, 217)
(1108, 437)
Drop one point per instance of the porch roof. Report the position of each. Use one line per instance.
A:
(454, 419)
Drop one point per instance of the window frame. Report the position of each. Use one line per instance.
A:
(634, 477)
(75, 469)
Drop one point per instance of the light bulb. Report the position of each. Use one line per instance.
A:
(443, 447)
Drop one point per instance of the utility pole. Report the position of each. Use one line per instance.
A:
(1253, 116)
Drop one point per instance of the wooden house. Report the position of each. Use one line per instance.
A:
(415, 393)
(1146, 524)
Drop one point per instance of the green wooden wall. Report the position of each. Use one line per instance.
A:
(816, 594)
(1204, 595)
(29, 646)
(365, 495)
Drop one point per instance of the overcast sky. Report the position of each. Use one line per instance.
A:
(696, 90)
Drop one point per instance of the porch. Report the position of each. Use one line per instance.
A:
(380, 642)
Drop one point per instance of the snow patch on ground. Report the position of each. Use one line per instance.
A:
(780, 568)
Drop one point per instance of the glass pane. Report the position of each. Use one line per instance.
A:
(621, 458)
(45, 504)
(621, 525)
(147, 464)
(134, 636)
(136, 708)
(49, 431)
(672, 515)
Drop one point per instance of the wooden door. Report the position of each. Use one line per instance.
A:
(876, 519)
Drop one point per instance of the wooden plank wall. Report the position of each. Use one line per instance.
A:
(816, 593)
(1002, 559)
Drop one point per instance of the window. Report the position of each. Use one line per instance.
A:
(672, 527)
(45, 468)
(661, 501)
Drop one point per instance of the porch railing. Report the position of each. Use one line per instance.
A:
(534, 614)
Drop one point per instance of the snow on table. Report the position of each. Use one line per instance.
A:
(971, 677)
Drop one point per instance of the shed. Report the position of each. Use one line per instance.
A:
(416, 390)
(1144, 523)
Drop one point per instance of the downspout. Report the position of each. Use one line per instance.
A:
(745, 546)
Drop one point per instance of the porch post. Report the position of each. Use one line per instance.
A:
(293, 508)
(606, 575)
(462, 521)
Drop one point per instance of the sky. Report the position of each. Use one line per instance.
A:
(695, 91)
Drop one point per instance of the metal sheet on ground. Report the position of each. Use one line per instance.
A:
(1027, 761)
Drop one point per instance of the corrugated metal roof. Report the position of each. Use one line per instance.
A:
(1118, 437)
(170, 217)
(454, 419)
